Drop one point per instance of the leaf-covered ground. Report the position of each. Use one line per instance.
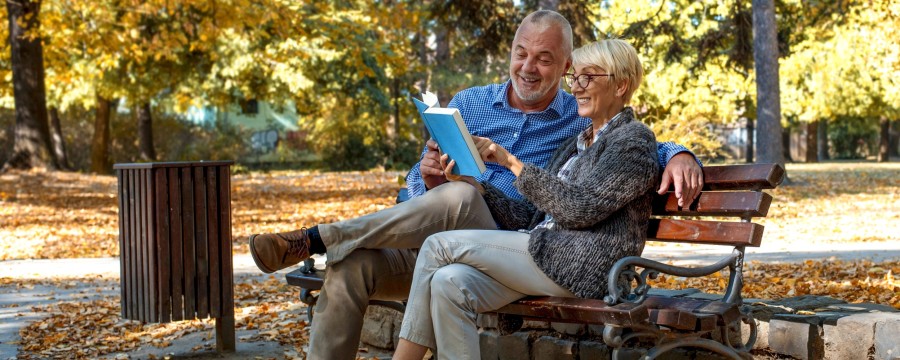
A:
(66, 215)
(93, 328)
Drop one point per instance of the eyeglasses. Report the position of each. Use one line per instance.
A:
(583, 80)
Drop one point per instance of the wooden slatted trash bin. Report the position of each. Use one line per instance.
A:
(175, 243)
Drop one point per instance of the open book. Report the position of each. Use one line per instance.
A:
(447, 128)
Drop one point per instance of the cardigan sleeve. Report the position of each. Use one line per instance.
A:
(513, 214)
(509, 213)
(619, 172)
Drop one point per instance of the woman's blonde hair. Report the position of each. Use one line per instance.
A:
(615, 56)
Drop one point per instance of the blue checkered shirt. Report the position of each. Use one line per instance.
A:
(531, 137)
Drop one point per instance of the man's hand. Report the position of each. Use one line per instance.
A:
(685, 173)
(430, 166)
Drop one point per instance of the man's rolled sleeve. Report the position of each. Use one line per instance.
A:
(667, 150)
(415, 185)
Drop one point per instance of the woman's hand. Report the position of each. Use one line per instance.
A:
(492, 152)
(448, 172)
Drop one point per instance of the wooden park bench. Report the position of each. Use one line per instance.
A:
(633, 318)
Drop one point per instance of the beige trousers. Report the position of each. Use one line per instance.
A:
(462, 273)
(373, 257)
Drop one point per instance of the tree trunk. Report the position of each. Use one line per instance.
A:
(145, 132)
(100, 142)
(885, 143)
(441, 61)
(823, 140)
(59, 142)
(894, 139)
(549, 5)
(423, 83)
(395, 89)
(31, 146)
(768, 97)
(786, 143)
(579, 15)
(748, 157)
(812, 147)
(392, 128)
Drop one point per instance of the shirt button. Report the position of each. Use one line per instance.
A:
(516, 135)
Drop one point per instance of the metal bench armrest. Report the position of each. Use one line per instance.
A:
(627, 284)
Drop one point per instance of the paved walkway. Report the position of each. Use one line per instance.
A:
(16, 302)
(777, 253)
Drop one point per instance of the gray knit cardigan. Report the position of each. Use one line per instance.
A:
(601, 211)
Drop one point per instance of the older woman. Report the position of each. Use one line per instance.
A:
(589, 208)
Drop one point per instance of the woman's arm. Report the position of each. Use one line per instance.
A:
(626, 169)
(512, 214)
(509, 213)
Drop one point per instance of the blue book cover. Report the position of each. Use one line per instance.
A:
(448, 129)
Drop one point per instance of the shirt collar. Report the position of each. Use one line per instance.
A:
(585, 135)
(558, 104)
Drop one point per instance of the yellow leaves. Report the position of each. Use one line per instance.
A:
(851, 281)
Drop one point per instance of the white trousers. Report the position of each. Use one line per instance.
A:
(462, 273)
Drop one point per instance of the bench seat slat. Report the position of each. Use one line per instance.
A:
(739, 204)
(682, 314)
(311, 281)
(705, 232)
(683, 320)
(577, 310)
(722, 311)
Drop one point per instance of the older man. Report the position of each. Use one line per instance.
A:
(373, 257)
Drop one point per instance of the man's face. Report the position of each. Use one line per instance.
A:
(537, 62)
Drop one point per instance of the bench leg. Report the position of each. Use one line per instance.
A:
(307, 297)
(616, 337)
(746, 318)
(707, 344)
(225, 334)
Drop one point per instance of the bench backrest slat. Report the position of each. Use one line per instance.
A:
(731, 203)
(705, 232)
(744, 177)
(732, 191)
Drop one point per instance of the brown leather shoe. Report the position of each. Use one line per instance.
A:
(273, 252)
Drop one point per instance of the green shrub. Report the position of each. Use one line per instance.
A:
(852, 137)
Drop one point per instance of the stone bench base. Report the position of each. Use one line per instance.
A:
(805, 327)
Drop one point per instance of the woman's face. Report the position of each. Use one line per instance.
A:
(597, 99)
